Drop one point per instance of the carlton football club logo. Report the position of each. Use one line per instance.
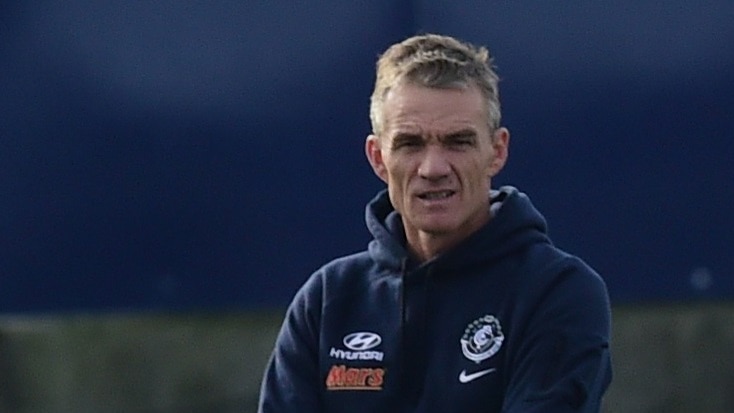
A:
(482, 338)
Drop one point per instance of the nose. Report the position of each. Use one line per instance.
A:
(434, 165)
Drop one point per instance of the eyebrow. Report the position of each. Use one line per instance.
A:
(463, 133)
(411, 137)
(404, 137)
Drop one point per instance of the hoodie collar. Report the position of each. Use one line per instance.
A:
(515, 224)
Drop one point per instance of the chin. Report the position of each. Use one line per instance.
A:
(439, 228)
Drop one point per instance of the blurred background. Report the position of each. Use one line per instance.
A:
(172, 171)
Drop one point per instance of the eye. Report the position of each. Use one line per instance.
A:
(407, 141)
(461, 140)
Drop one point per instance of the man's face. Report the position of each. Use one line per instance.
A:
(437, 154)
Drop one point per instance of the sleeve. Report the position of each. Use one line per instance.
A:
(563, 361)
(291, 381)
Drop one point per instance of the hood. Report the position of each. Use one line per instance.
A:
(515, 225)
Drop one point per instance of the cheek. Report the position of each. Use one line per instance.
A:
(396, 173)
(397, 187)
(487, 166)
(396, 198)
(479, 170)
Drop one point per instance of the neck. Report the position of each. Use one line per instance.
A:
(426, 246)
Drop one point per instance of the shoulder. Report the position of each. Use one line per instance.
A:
(335, 287)
(552, 277)
(340, 273)
(567, 295)
(551, 265)
(346, 264)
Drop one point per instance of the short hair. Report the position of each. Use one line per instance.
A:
(435, 61)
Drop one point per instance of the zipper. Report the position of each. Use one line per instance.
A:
(403, 321)
(414, 306)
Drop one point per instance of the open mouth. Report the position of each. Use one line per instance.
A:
(435, 195)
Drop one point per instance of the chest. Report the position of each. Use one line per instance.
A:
(415, 346)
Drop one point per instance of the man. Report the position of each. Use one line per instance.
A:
(461, 303)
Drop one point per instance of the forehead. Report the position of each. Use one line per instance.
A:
(415, 108)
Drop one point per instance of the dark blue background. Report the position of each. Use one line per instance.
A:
(209, 155)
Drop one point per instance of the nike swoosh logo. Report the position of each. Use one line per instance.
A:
(466, 378)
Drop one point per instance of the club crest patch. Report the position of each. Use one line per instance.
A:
(482, 338)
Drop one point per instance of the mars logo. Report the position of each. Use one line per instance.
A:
(482, 338)
(342, 377)
(360, 345)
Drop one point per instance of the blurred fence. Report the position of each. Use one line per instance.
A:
(667, 359)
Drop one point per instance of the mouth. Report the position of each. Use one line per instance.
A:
(436, 195)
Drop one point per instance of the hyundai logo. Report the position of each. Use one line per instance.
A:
(363, 340)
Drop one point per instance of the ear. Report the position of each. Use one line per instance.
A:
(500, 149)
(373, 150)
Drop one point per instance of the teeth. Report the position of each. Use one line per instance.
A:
(437, 195)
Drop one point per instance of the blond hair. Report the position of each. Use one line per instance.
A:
(435, 61)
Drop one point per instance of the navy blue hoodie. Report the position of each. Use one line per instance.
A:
(503, 322)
